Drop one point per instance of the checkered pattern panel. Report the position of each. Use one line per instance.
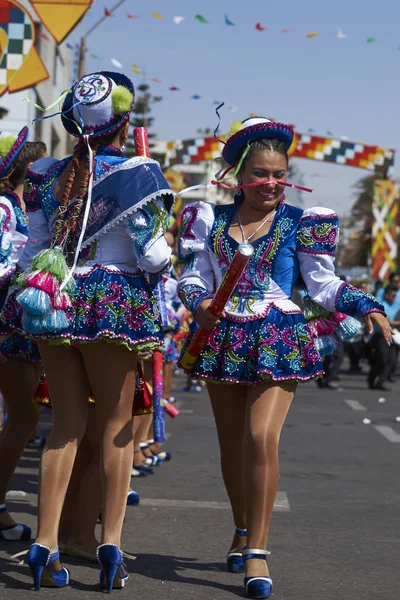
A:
(314, 147)
(384, 230)
(18, 28)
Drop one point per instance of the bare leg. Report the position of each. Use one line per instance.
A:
(18, 382)
(82, 504)
(111, 370)
(142, 435)
(229, 405)
(69, 391)
(266, 408)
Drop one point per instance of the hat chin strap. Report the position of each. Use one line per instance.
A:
(85, 216)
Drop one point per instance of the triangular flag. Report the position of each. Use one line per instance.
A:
(116, 63)
(132, 16)
(173, 88)
(340, 34)
(201, 19)
(95, 56)
(371, 40)
(259, 27)
(312, 34)
(136, 69)
(107, 13)
(156, 15)
(310, 130)
(59, 16)
(178, 20)
(154, 79)
(228, 21)
(330, 133)
(286, 30)
(195, 97)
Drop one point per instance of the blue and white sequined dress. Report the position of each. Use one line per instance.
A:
(124, 242)
(264, 335)
(13, 239)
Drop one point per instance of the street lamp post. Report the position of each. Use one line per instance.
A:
(83, 45)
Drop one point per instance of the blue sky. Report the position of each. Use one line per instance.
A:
(345, 86)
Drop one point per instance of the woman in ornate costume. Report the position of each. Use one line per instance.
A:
(20, 359)
(87, 300)
(263, 341)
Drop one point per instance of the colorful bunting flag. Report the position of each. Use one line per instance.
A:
(154, 79)
(201, 19)
(259, 27)
(136, 69)
(195, 97)
(341, 35)
(370, 40)
(107, 13)
(116, 63)
(286, 31)
(229, 22)
(178, 20)
(156, 15)
(312, 34)
(173, 88)
(95, 56)
(132, 16)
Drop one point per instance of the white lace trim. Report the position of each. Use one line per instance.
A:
(129, 211)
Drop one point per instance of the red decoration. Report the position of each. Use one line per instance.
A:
(132, 16)
(259, 27)
(107, 13)
(174, 89)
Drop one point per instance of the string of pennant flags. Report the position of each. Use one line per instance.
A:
(258, 26)
(180, 20)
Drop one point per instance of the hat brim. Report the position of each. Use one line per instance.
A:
(19, 143)
(67, 116)
(262, 131)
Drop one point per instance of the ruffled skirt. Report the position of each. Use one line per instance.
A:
(106, 305)
(278, 347)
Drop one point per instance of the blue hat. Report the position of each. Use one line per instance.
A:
(98, 104)
(255, 128)
(10, 147)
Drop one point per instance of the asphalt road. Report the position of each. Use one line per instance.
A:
(335, 532)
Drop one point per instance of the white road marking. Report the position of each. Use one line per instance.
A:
(355, 405)
(390, 434)
(281, 503)
(186, 411)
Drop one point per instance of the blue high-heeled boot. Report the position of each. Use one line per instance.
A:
(234, 558)
(113, 575)
(257, 587)
(40, 558)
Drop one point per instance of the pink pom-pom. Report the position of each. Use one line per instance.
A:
(43, 281)
(61, 301)
(321, 326)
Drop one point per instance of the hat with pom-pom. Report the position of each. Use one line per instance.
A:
(98, 104)
(254, 128)
(10, 147)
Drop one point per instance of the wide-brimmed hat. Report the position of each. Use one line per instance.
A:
(255, 128)
(98, 104)
(10, 147)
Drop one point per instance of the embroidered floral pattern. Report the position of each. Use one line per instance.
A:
(192, 296)
(278, 347)
(150, 222)
(318, 237)
(352, 301)
(256, 279)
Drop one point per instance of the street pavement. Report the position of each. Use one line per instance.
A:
(335, 531)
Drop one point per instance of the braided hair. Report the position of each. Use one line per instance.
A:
(271, 145)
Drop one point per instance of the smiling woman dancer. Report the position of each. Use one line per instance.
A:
(90, 328)
(263, 341)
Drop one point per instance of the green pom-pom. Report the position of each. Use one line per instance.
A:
(122, 100)
(6, 143)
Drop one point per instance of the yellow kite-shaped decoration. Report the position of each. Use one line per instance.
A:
(61, 16)
(20, 64)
